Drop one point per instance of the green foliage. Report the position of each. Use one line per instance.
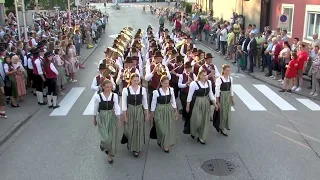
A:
(188, 7)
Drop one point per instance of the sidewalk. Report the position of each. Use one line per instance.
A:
(19, 116)
(261, 75)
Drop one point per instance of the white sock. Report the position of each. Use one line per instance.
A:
(54, 99)
(40, 94)
(49, 97)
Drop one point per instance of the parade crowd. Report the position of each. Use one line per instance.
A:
(49, 58)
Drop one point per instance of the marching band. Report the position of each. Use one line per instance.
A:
(172, 67)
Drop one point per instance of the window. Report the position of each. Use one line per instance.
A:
(312, 22)
(288, 9)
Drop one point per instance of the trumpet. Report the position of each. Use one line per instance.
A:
(126, 74)
(160, 69)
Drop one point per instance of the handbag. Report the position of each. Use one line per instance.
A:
(153, 131)
(124, 139)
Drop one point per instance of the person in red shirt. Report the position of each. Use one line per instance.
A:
(303, 56)
(291, 73)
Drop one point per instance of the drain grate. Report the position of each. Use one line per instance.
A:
(218, 167)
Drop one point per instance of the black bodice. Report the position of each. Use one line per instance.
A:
(134, 99)
(105, 105)
(225, 86)
(164, 99)
(202, 91)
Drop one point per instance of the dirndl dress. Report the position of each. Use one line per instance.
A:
(225, 105)
(200, 116)
(164, 119)
(107, 126)
(134, 130)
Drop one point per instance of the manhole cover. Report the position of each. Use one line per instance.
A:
(218, 167)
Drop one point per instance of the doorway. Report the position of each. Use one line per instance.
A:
(265, 14)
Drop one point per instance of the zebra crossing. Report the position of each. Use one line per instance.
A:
(245, 95)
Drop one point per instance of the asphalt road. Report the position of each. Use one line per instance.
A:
(273, 136)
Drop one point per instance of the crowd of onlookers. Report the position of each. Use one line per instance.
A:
(56, 33)
(271, 51)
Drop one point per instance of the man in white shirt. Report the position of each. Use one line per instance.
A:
(223, 39)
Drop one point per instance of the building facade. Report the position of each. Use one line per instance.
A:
(255, 11)
(303, 17)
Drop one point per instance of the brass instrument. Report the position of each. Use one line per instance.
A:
(111, 53)
(126, 74)
(161, 71)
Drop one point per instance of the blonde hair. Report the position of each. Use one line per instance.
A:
(199, 73)
(14, 59)
(107, 81)
(224, 67)
(162, 79)
(133, 75)
(239, 47)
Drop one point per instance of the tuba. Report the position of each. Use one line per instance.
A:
(111, 53)
(161, 71)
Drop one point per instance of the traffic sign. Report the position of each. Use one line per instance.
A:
(283, 22)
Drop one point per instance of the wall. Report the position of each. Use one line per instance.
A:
(224, 8)
(298, 14)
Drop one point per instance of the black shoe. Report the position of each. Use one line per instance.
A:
(43, 103)
(159, 144)
(107, 152)
(44, 95)
(192, 137)
(15, 106)
(136, 154)
(110, 161)
(289, 91)
(50, 106)
(282, 90)
(101, 147)
(223, 133)
(201, 141)
(55, 107)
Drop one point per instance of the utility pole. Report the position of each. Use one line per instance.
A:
(17, 16)
(24, 20)
(69, 13)
(2, 11)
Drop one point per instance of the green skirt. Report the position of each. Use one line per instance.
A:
(107, 128)
(134, 130)
(200, 118)
(225, 109)
(165, 124)
(13, 86)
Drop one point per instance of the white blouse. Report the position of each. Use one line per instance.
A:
(180, 81)
(219, 82)
(95, 87)
(193, 87)
(18, 66)
(125, 95)
(97, 100)
(156, 95)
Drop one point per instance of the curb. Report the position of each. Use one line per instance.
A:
(258, 78)
(19, 124)
(16, 127)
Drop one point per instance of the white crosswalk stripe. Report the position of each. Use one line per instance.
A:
(68, 101)
(243, 94)
(275, 98)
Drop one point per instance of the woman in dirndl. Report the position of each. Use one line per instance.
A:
(224, 99)
(198, 102)
(135, 112)
(59, 63)
(164, 111)
(107, 118)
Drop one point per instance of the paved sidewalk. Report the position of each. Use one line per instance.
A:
(261, 76)
(19, 116)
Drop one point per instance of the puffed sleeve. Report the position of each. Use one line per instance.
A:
(116, 106)
(211, 95)
(144, 98)
(96, 103)
(168, 72)
(149, 74)
(173, 99)
(193, 86)
(218, 85)
(154, 100)
(124, 99)
(180, 84)
(94, 85)
(216, 71)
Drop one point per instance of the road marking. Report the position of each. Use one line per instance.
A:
(275, 98)
(292, 140)
(90, 108)
(309, 104)
(247, 98)
(68, 101)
